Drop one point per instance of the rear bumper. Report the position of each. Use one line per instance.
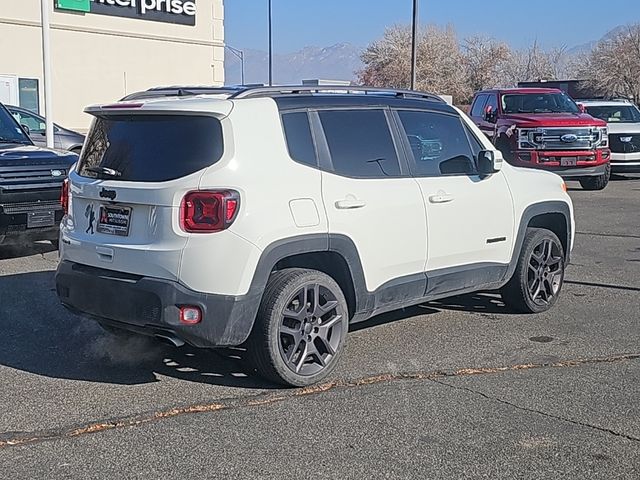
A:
(13, 226)
(151, 306)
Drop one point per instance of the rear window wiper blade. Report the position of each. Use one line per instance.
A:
(109, 172)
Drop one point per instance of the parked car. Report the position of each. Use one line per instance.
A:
(35, 125)
(544, 128)
(274, 217)
(30, 182)
(623, 120)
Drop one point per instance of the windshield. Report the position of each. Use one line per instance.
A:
(10, 131)
(538, 103)
(615, 113)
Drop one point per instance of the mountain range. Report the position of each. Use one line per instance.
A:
(337, 62)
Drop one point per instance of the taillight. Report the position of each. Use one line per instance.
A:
(64, 196)
(209, 211)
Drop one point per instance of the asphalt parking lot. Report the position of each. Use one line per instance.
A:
(455, 389)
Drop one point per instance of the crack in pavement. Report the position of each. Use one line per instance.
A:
(612, 235)
(533, 410)
(603, 285)
(12, 439)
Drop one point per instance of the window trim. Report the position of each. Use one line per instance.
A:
(316, 166)
(324, 153)
(409, 154)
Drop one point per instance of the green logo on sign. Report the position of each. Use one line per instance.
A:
(77, 5)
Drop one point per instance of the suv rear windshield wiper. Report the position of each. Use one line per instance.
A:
(109, 172)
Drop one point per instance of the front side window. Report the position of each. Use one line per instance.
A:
(150, 148)
(297, 132)
(615, 113)
(439, 143)
(493, 103)
(35, 124)
(478, 106)
(360, 143)
(555, 102)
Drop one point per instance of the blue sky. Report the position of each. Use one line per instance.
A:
(300, 23)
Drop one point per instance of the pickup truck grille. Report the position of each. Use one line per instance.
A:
(37, 174)
(25, 207)
(585, 138)
(630, 146)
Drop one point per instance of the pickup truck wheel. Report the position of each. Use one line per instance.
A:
(301, 328)
(539, 275)
(597, 183)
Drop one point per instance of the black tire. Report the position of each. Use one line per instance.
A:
(304, 346)
(597, 183)
(539, 274)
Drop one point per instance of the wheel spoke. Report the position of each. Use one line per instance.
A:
(303, 356)
(327, 345)
(327, 325)
(293, 332)
(326, 308)
(299, 315)
(554, 261)
(293, 349)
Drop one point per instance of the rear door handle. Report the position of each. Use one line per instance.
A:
(441, 198)
(350, 204)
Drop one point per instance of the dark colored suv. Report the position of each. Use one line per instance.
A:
(31, 180)
(544, 128)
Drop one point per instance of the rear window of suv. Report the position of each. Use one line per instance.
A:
(150, 148)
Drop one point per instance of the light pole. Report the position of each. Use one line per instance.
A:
(46, 70)
(414, 32)
(270, 45)
(240, 54)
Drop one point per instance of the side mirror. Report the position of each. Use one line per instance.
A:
(490, 115)
(489, 162)
(582, 108)
(26, 129)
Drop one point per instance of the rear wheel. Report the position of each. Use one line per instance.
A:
(597, 183)
(539, 274)
(301, 328)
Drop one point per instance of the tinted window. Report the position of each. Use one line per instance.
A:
(299, 139)
(439, 144)
(360, 143)
(478, 106)
(10, 132)
(35, 124)
(492, 102)
(615, 113)
(151, 148)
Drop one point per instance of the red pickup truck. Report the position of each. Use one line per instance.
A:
(544, 128)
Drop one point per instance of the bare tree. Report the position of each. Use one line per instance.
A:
(484, 60)
(613, 67)
(440, 63)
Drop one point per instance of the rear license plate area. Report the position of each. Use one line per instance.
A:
(568, 161)
(42, 218)
(114, 220)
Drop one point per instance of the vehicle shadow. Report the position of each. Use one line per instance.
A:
(39, 336)
(17, 250)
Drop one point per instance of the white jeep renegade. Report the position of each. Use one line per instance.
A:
(274, 217)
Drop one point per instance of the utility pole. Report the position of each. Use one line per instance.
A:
(414, 46)
(270, 45)
(46, 67)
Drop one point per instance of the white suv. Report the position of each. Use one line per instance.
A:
(275, 217)
(623, 120)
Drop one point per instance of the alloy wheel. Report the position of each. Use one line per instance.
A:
(545, 272)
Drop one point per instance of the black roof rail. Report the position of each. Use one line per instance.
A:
(252, 92)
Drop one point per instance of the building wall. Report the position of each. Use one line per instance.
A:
(98, 58)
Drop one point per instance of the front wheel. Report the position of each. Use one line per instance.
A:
(539, 275)
(599, 182)
(301, 328)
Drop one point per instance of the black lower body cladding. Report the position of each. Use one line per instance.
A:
(151, 306)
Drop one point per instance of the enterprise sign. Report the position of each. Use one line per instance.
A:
(170, 11)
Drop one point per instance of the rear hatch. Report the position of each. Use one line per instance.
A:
(126, 191)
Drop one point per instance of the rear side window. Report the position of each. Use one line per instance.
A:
(151, 148)
(478, 106)
(360, 143)
(297, 132)
(439, 144)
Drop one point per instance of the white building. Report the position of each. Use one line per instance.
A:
(102, 50)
